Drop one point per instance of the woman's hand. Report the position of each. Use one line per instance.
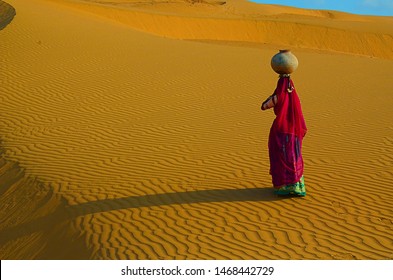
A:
(269, 103)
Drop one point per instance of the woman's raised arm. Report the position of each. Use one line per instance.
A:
(270, 102)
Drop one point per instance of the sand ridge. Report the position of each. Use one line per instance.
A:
(239, 21)
(34, 223)
(154, 148)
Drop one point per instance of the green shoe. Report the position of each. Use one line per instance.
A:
(298, 189)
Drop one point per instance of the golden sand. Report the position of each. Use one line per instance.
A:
(133, 130)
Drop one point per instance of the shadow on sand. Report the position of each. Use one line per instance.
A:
(189, 197)
(7, 14)
(68, 213)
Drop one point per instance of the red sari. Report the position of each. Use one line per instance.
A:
(285, 140)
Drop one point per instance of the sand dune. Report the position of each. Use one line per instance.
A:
(128, 145)
(34, 224)
(275, 25)
(7, 13)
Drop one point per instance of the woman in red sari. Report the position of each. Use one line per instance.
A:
(285, 139)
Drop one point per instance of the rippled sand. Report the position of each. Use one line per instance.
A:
(132, 130)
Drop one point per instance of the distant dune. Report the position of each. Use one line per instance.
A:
(133, 130)
(242, 21)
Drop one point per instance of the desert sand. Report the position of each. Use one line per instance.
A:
(133, 130)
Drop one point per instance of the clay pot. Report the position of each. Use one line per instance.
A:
(284, 62)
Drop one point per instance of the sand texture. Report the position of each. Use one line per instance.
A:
(133, 130)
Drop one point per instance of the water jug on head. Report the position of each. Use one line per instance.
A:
(284, 62)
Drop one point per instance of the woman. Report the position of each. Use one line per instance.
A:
(285, 139)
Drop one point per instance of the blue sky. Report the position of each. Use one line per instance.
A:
(365, 7)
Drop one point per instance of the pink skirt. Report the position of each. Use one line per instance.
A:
(286, 161)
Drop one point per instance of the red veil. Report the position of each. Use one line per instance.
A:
(289, 115)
